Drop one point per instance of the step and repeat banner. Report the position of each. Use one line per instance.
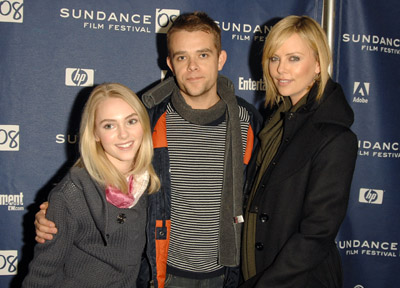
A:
(367, 61)
(53, 52)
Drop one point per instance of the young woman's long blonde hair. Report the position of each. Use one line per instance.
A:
(92, 155)
(310, 31)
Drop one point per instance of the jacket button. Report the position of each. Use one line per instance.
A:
(121, 218)
(263, 217)
(259, 246)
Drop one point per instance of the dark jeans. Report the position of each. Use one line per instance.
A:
(180, 282)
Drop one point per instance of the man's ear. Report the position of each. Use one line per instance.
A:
(222, 59)
(169, 63)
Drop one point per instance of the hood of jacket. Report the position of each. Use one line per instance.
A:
(332, 108)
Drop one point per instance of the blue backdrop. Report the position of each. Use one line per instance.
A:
(53, 52)
(367, 64)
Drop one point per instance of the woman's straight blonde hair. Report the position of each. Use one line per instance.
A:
(92, 155)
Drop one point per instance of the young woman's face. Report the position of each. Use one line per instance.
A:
(293, 67)
(119, 131)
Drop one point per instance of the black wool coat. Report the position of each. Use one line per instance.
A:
(302, 198)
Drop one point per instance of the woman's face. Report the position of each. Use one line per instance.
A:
(118, 129)
(293, 67)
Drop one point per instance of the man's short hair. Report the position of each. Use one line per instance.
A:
(196, 21)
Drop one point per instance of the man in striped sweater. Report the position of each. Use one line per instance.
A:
(203, 138)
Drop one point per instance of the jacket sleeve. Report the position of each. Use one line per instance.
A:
(47, 264)
(323, 211)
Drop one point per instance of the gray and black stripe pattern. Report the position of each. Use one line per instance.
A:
(197, 164)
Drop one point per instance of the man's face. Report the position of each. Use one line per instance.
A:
(195, 62)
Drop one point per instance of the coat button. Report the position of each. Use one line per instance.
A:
(259, 246)
(263, 217)
(121, 218)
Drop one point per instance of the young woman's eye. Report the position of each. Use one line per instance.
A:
(294, 58)
(274, 59)
(108, 126)
(132, 121)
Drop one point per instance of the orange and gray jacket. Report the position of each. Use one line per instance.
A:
(159, 211)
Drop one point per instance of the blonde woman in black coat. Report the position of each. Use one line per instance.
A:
(300, 179)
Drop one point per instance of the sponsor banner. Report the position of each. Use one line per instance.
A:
(373, 43)
(371, 196)
(8, 262)
(378, 149)
(12, 11)
(54, 52)
(79, 77)
(369, 248)
(130, 21)
(9, 137)
(361, 92)
(366, 65)
(12, 202)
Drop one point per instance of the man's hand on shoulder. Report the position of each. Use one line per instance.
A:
(44, 228)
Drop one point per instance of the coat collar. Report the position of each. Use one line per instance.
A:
(332, 108)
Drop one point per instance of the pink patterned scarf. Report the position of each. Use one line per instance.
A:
(137, 186)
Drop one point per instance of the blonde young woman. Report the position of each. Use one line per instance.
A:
(299, 182)
(100, 206)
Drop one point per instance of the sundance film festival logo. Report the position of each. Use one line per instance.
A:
(374, 43)
(360, 92)
(371, 196)
(8, 262)
(369, 248)
(165, 18)
(79, 77)
(105, 20)
(12, 11)
(378, 149)
(9, 137)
